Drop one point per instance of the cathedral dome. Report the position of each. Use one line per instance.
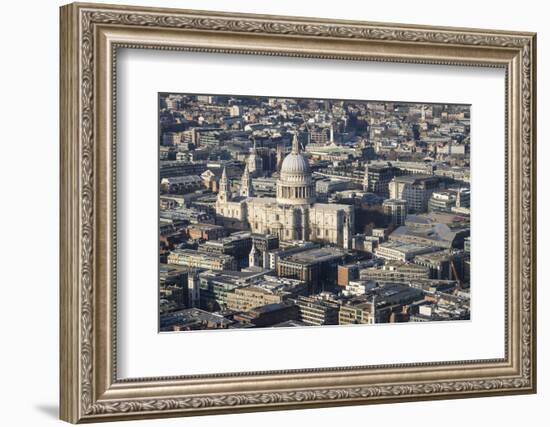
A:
(295, 184)
(295, 164)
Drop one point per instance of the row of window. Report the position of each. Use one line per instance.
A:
(297, 192)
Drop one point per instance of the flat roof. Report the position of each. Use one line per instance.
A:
(204, 226)
(439, 255)
(194, 253)
(411, 179)
(270, 307)
(317, 255)
(191, 315)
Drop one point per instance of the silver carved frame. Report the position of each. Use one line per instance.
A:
(90, 37)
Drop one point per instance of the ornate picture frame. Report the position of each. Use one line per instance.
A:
(90, 37)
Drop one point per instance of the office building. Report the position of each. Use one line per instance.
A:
(359, 311)
(317, 267)
(444, 231)
(377, 178)
(401, 251)
(395, 211)
(192, 319)
(395, 271)
(416, 190)
(238, 245)
(315, 311)
(191, 258)
(269, 315)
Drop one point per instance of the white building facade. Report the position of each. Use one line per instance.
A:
(294, 213)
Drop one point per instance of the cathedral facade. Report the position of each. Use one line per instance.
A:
(293, 214)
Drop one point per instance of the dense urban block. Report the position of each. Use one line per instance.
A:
(285, 212)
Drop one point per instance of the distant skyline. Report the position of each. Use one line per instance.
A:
(244, 97)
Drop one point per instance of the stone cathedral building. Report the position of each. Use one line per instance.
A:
(294, 213)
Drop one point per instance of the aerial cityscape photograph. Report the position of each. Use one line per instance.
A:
(292, 212)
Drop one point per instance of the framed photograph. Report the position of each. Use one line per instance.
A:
(267, 212)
